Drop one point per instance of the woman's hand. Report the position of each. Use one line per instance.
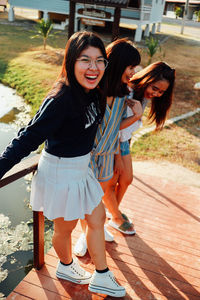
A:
(137, 110)
(118, 164)
(136, 107)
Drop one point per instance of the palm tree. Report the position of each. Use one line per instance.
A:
(152, 47)
(43, 29)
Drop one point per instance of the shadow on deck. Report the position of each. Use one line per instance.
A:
(160, 262)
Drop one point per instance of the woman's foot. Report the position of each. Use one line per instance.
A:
(122, 226)
(109, 216)
(105, 283)
(73, 272)
(80, 248)
(126, 218)
(108, 235)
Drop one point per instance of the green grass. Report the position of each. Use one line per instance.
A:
(18, 77)
(176, 143)
(31, 78)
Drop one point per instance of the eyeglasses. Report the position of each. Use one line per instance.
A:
(86, 63)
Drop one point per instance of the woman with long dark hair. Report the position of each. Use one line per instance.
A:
(64, 187)
(153, 84)
(123, 57)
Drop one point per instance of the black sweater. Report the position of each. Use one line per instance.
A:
(67, 128)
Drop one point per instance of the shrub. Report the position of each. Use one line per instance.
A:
(178, 12)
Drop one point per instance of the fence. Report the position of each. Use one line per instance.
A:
(25, 167)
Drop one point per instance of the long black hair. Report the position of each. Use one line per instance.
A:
(160, 106)
(78, 42)
(121, 53)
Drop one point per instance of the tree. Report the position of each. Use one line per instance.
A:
(178, 12)
(153, 46)
(43, 29)
(197, 14)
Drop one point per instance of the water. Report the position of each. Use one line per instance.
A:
(16, 254)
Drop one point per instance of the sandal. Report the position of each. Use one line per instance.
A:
(109, 216)
(126, 218)
(123, 227)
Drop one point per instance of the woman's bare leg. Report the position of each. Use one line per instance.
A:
(62, 239)
(111, 202)
(95, 237)
(125, 178)
(110, 199)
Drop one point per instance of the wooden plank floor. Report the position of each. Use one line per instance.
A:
(162, 261)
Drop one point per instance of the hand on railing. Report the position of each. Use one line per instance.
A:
(26, 166)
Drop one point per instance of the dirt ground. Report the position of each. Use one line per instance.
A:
(168, 171)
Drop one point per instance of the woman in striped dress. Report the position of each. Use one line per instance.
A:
(122, 57)
(106, 140)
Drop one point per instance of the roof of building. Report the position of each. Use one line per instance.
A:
(183, 1)
(112, 3)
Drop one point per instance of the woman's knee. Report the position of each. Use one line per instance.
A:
(63, 228)
(126, 179)
(109, 186)
(112, 184)
(129, 178)
(97, 219)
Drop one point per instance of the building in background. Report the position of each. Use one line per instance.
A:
(171, 5)
(139, 14)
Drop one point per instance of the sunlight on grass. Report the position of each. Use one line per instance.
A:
(173, 143)
(29, 77)
(32, 78)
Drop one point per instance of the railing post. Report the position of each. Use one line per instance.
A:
(72, 15)
(38, 239)
(116, 21)
(25, 167)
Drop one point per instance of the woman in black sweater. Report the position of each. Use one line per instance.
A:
(64, 187)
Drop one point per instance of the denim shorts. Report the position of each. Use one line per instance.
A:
(124, 147)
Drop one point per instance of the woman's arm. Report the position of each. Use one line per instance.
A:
(48, 119)
(137, 110)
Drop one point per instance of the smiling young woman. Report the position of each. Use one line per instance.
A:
(155, 84)
(123, 57)
(64, 187)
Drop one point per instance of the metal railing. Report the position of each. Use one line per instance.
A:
(23, 168)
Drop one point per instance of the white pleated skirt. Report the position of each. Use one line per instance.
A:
(65, 187)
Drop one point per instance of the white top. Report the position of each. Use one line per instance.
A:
(126, 133)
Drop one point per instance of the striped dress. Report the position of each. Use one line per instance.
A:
(107, 140)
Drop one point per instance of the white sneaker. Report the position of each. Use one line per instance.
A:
(108, 236)
(108, 214)
(80, 248)
(74, 273)
(105, 283)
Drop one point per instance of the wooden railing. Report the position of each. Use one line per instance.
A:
(23, 168)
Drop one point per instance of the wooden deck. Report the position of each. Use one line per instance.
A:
(162, 261)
